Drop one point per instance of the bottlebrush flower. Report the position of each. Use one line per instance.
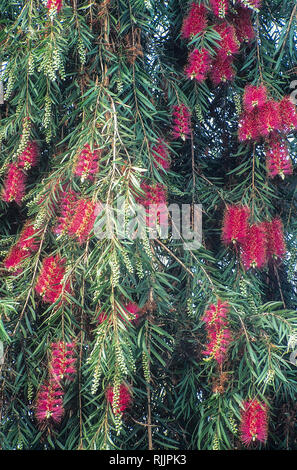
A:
(181, 122)
(228, 44)
(68, 201)
(216, 316)
(198, 65)
(62, 360)
(84, 216)
(124, 398)
(268, 118)
(242, 21)
(219, 7)
(277, 156)
(49, 283)
(54, 6)
(254, 421)
(235, 224)
(49, 404)
(222, 70)
(253, 4)
(15, 258)
(14, 184)
(28, 239)
(29, 157)
(254, 97)
(154, 202)
(275, 241)
(195, 22)
(248, 126)
(161, 155)
(86, 163)
(219, 342)
(253, 252)
(288, 115)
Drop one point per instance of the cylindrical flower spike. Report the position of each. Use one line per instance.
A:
(84, 216)
(288, 115)
(198, 65)
(254, 422)
(195, 22)
(161, 155)
(253, 251)
(154, 202)
(229, 44)
(222, 70)
(254, 97)
(277, 156)
(14, 184)
(275, 241)
(62, 361)
(67, 209)
(49, 403)
(124, 398)
(242, 21)
(216, 315)
(181, 122)
(87, 163)
(49, 283)
(54, 6)
(235, 224)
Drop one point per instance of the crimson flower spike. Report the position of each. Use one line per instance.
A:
(29, 157)
(82, 222)
(275, 241)
(124, 398)
(277, 156)
(222, 70)
(254, 97)
(14, 184)
(198, 65)
(181, 122)
(254, 422)
(86, 163)
(242, 21)
(161, 155)
(49, 404)
(54, 6)
(253, 248)
(50, 281)
(62, 361)
(195, 22)
(235, 224)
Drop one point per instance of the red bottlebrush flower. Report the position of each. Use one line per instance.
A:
(198, 65)
(277, 156)
(288, 115)
(219, 7)
(49, 283)
(29, 157)
(228, 44)
(219, 342)
(222, 70)
(14, 258)
(161, 155)
(248, 126)
(253, 4)
(254, 421)
(85, 213)
(124, 398)
(195, 22)
(28, 239)
(242, 21)
(86, 163)
(67, 208)
(62, 360)
(254, 97)
(54, 6)
(216, 315)
(235, 224)
(253, 252)
(275, 241)
(181, 122)
(49, 404)
(154, 201)
(268, 118)
(14, 184)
